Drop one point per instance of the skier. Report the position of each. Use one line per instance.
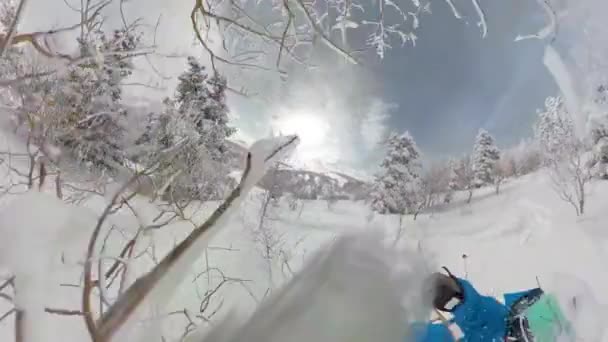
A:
(482, 318)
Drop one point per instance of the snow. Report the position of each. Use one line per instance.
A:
(513, 240)
(43, 223)
(35, 229)
(333, 297)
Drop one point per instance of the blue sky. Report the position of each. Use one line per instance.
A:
(454, 82)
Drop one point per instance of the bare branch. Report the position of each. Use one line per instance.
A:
(88, 282)
(482, 18)
(8, 313)
(8, 38)
(64, 312)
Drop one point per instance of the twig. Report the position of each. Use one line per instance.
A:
(10, 281)
(8, 313)
(64, 312)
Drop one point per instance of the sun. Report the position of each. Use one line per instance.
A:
(312, 129)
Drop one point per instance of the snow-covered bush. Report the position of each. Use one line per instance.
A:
(79, 108)
(598, 135)
(436, 182)
(563, 153)
(525, 157)
(462, 176)
(504, 168)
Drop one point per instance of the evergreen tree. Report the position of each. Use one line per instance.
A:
(397, 186)
(189, 135)
(203, 100)
(91, 98)
(485, 156)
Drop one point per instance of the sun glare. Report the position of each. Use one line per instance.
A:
(311, 129)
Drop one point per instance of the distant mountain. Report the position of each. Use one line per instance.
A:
(304, 183)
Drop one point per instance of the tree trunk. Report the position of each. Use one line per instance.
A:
(497, 188)
(301, 208)
(581, 201)
(58, 190)
(470, 196)
(398, 237)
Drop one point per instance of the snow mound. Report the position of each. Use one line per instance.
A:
(350, 290)
(36, 227)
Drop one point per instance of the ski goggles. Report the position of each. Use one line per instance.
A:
(451, 304)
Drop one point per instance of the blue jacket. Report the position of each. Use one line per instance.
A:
(481, 319)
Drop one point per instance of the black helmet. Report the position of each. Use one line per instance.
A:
(443, 291)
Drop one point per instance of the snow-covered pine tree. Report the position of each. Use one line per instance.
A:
(203, 99)
(91, 97)
(554, 130)
(485, 156)
(188, 137)
(397, 186)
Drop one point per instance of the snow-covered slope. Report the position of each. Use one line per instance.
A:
(512, 241)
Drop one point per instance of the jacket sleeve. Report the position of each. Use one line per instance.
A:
(481, 318)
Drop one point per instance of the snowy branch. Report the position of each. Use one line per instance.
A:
(328, 42)
(548, 31)
(482, 18)
(454, 9)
